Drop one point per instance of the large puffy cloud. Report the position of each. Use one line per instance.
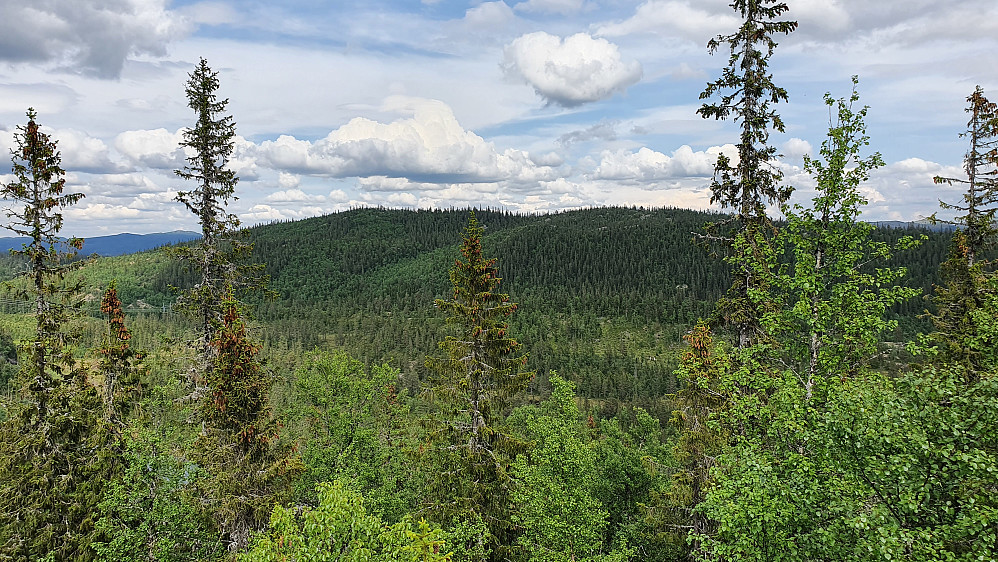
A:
(94, 36)
(570, 72)
(84, 153)
(429, 146)
(647, 165)
(157, 148)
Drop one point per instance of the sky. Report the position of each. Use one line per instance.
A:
(528, 105)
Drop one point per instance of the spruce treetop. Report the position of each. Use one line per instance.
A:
(749, 184)
(211, 144)
(980, 201)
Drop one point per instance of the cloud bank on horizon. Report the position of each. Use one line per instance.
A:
(536, 105)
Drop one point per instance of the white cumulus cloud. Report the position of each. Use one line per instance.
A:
(570, 72)
(82, 152)
(428, 145)
(648, 165)
(796, 148)
(156, 148)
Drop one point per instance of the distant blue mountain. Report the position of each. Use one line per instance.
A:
(117, 244)
(937, 227)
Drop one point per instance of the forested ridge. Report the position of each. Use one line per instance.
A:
(606, 294)
(600, 385)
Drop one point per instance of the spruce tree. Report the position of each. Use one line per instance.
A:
(52, 456)
(215, 256)
(246, 471)
(980, 201)
(475, 381)
(120, 364)
(964, 315)
(699, 443)
(752, 183)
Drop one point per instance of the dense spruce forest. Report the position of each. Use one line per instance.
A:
(600, 385)
(605, 294)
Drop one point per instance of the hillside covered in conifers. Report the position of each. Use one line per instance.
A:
(604, 294)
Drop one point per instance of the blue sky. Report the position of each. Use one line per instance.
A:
(531, 105)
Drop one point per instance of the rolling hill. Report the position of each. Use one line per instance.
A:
(605, 294)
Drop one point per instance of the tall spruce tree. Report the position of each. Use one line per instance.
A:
(964, 315)
(37, 196)
(749, 185)
(215, 256)
(246, 472)
(475, 381)
(52, 469)
(980, 201)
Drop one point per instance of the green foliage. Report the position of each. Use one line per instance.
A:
(119, 364)
(350, 424)
(150, 512)
(557, 494)
(475, 383)
(8, 359)
(699, 442)
(838, 288)
(964, 334)
(55, 458)
(339, 528)
(924, 450)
